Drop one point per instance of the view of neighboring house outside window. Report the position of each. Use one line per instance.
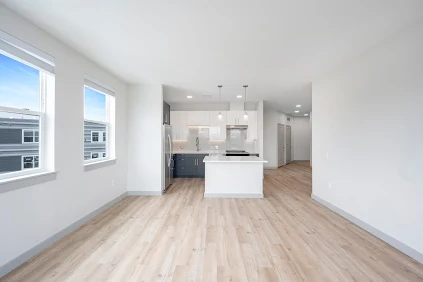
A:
(20, 114)
(98, 104)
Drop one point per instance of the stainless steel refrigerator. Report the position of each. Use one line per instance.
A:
(168, 157)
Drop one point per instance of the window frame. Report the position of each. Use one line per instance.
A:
(109, 95)
(33, 135)
(29, 55)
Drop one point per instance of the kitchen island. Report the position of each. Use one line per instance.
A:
(233, 177)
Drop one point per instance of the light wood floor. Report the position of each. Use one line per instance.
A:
(183, 237)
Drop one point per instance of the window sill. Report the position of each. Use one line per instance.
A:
(99, 164)
(10, 184)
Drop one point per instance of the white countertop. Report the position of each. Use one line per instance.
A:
(233, 159)
(202, 152)
(199, 152)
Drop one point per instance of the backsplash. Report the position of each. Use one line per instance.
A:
(235, 139)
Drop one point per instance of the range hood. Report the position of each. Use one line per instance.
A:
(237, 126)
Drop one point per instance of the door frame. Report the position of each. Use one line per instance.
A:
(284, 143)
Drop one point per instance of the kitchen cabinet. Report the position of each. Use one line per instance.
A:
(166, 113)
(236, 118)
(252, 125)
(217, 129)
(189, 166)
(198, 118)
(178, 121)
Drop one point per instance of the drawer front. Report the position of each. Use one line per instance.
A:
(184, 161)
(181, 171)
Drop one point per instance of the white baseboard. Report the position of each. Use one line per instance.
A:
(270, 167)
(376, 232)
(144, 193)
(226, 195)
(14, 263)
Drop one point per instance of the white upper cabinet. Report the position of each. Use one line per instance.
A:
(236, 118)
(252, 125)
(198, 118)
(174, 123)
(217, 129)
(178, 121)
(181, 120)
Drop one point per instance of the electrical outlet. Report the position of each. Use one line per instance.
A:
(330, 185)
(113, 183)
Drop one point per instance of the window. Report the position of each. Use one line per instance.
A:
(29, 162)
(95, 136)
(98, 136)
(97, 155)
(98, 121)
(30, 136)
(26, 80)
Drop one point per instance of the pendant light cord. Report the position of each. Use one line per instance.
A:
(220, 99)
(245, 95)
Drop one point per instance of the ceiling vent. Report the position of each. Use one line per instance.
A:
(206, 96)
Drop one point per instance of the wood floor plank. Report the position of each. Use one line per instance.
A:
(183, 237)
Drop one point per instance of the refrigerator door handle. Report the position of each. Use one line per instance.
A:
(170, 150)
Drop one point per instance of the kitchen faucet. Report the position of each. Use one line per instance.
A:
(197, 143)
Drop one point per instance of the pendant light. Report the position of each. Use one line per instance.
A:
(219, 116)
(245, 100)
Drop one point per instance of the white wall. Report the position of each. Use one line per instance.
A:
(367, 137)
(32, 214)
(145, 154)
(301, 138)
(270, 148)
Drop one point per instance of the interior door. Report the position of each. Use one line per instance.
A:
(288, 144)
(281, 145)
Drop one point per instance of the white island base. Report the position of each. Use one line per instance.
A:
(233, 177)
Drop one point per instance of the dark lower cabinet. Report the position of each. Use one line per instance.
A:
(189, 166)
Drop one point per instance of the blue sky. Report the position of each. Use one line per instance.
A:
(95, 105)
(19, 85)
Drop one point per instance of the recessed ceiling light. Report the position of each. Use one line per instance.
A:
(239, 96)
(189, 97)
(306, 114)
(297, 111)
(298, 106)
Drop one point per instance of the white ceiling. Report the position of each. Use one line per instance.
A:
(276, 47)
